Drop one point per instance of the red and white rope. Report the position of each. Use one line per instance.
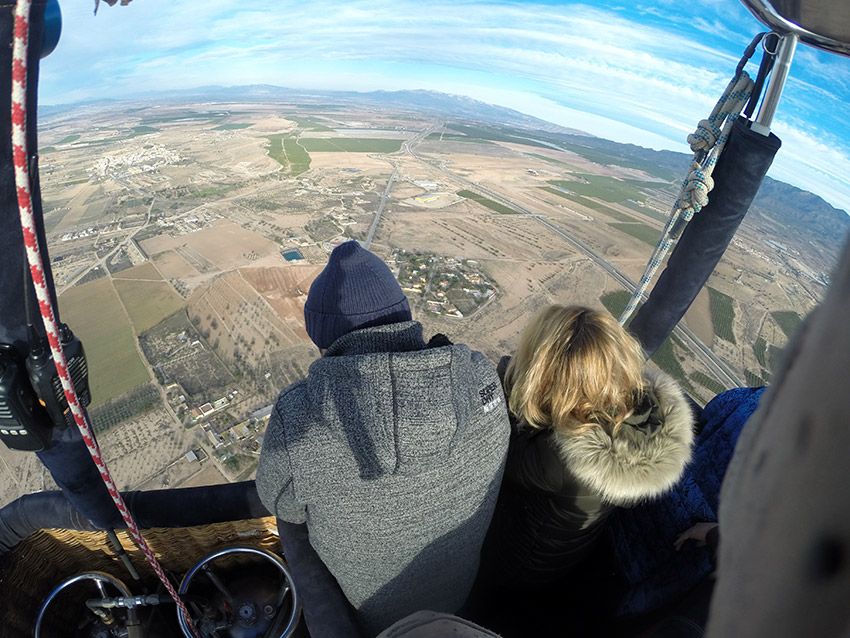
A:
(36, 264)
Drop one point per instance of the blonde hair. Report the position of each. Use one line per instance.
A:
(574, 368)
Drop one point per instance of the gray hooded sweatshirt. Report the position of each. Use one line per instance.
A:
(392, 453)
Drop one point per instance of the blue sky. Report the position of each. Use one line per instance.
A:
(639, 72)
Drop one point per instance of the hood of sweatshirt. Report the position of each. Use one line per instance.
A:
(648, 452)
(397, 403)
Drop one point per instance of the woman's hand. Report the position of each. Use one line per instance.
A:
(696, 533)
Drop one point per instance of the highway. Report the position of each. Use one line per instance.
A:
(406, 148)
(718, 367)
(375, 222)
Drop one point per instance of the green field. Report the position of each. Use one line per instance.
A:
(643, 210)
(551, 160)
(299, 158)
(94, 312)
(615, 302)
(188, 116)
(609, 189)
(707, 382)
(640, 231)
(74, 182)
(289, 153)
(213, 190)
(68, 139)
(136, 131)
(147, 302)
(452, 137)
(774, 357)
(760, 350)
(514, 136)
(350, 145)
(753, 380)
(233, 126)
(788, 321)
(275, 150)
(141, 130)
(665, 358)
(722, 314)
(592, 205)
(308, 123)
(489, 203)
(767, 354)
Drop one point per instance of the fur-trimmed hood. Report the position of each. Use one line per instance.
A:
(645, 457)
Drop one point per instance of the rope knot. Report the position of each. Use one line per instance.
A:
(705, 137)
(697, 187)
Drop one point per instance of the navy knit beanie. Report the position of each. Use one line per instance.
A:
(355, 290)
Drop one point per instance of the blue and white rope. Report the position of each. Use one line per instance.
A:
(707, 144)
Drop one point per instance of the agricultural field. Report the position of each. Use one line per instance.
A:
(146, 271)
(768, 356)
(299, 159)
(290, 153)
(95, 314)
(643, 232)
(722, 314)
(489, 203)
(788, 320)
(494, 134)
(147, 302)
(350, 145)
(546, 158)
(615, 302)
(453, 137)
(603, 187)
(309, 123)
(707, 382)
(591, 204)
(233, 126)
(179, 354)
(170, 229)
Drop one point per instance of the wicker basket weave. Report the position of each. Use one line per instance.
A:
(49, 556)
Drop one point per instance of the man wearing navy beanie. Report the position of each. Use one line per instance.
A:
(389, 454)
(355, 290)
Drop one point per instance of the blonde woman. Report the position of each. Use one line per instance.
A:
(593, 429)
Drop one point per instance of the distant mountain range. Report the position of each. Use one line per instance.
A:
(790, 207)
(419, 101)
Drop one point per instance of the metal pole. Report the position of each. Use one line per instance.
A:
(784, 56)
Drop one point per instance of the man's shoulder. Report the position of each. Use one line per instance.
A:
(293, 392)
(289, 402)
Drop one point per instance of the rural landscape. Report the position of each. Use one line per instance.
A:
(185, 232)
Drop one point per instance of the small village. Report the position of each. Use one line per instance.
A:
(446, 286)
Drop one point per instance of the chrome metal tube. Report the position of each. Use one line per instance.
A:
(784, 56)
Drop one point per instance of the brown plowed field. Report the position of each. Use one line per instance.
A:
(285, 289)
(225, 245)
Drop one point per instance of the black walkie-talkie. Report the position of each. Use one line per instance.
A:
(45, 380)
(24, 423)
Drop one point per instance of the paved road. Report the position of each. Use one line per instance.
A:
(406, 148)
(375, 222)
(720, 369)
